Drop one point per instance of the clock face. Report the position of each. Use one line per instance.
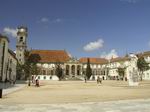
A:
(22, 30)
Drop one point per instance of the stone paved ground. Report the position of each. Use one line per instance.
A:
(142, 105)
(13, 88)
(65, 96)
(77, 92)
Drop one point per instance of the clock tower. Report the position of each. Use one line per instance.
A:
(21, 44)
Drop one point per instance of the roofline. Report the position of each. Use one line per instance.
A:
(5, 37)
(13, 54)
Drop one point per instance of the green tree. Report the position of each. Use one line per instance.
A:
(88, 69)
(59, 71)
(30, 65)
(121, 72)
(19, 69)
(142, 66)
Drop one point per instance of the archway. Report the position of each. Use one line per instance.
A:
(78, 69)
(67, 69)
(73, 70)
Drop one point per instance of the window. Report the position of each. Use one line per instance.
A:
(44, 77)
(50, 77)
(147, 75)
(38, 77)
(44, 72)
(21, 39)
(52, 72)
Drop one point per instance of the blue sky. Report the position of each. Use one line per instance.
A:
(82, 27)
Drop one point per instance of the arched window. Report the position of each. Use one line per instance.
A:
(44, 72)
(21, 39)
(44, 77)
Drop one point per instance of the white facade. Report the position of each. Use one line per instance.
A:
(12, 64)
(8, 62)
(3, 57)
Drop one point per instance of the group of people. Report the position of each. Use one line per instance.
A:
(99, 79)
(36, 81)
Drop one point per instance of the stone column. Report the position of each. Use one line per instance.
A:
(75, 70)
(70, 74)
(64, 69)
(80, 69)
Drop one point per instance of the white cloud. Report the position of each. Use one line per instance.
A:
(58, 20)
(131, 1)
(94, 45)
(111, 54)
(44, 20)
(47, 20)
(10, 31)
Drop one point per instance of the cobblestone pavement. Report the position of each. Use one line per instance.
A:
(142, 105)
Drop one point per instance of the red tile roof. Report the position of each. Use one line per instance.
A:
(51, 56)
(94, 60)
(12, 54)
(118, 59)
(146, 53)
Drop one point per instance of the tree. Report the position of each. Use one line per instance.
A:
(19, 69)
(142, 66)
(88, 69)
(59, 71)
(121, 72)
(30, 65)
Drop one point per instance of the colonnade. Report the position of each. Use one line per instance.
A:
(73, 69)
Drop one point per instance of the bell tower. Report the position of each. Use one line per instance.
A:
(21, 44)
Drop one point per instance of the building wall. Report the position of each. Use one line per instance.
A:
(146, 75)
(11, 72)
(0, 55)
(4, 66)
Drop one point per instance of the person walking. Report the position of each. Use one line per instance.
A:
(98, 80)
(85, 79)
(101, 78)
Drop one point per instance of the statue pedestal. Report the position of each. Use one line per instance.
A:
(131, 83)
(133, 79)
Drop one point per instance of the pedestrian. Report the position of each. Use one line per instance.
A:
(85, 79)
(37, 83)
(98, 80)
(101, 78)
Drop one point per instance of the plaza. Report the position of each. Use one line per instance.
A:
(75, 56)
(77, 96)
(112, 106)
(56, 92)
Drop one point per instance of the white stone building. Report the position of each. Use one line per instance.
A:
(48, 61)
(115, 63)
(76, 68)
(8, 61)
